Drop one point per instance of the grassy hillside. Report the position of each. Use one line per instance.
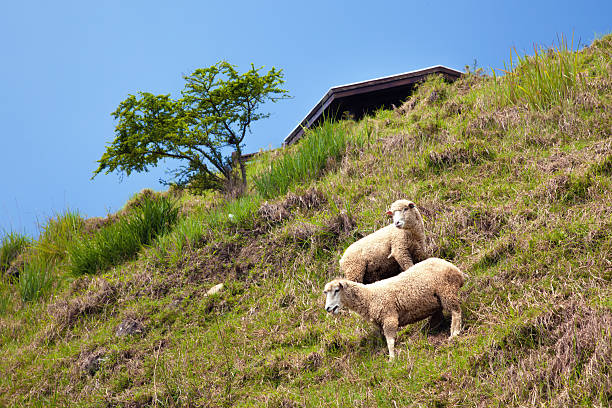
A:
(513, 176)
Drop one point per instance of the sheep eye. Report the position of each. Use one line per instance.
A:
(336, 291)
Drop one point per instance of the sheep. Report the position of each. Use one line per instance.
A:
(388, 251)
(424, 290)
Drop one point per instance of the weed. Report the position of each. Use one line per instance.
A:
(6, 297)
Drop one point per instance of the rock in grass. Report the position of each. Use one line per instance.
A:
(90, 362)
(214, 289)
(128, 326)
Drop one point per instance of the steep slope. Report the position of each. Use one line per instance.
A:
(514, 182)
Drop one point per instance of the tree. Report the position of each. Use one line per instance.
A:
(211, 118)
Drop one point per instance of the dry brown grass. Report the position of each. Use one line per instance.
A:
(563, 356)
(285, 208)
(65, 313)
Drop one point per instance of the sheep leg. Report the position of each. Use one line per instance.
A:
(455, 323)
(380, 331)
(450, 303)
(435, 321)
(390, 329)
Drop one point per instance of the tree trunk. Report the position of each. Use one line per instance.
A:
(240, 162)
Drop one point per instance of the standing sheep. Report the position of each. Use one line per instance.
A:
(424, 290)
(388, 251)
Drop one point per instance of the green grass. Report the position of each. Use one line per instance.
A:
(320, 147)
(122, 240)
(518, 195)
(6, 297)
(58, 234)
(11, 245)
(549, 77)
(35, 280)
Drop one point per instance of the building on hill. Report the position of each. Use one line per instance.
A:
(361, 98)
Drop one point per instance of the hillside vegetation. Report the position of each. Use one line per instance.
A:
(513, 175)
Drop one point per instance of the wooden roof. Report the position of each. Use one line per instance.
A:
(361, 98)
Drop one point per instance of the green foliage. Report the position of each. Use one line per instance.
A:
(547, 78)
(11, 246)
(225, 219)
(6, 296)
(217, 108)
(306, 161)
(121, 241)
(238, 213)
(35, 280)
(58, 234)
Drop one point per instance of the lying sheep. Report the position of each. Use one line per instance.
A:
(424, 290)
(388, 251)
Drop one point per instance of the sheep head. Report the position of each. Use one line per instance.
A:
(333, 295)
(405, 214)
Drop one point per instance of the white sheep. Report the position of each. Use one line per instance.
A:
(388, 251)
(424, 290)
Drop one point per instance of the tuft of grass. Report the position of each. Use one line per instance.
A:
(191, 232)
(6, 297)
(11, 246)
(318, 149)
(58, 234)
(121, 241)
(35, 280)
(549, 77)
(241, 213)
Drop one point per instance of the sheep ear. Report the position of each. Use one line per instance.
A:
(389, 213)
(411, 205)
(340, 285)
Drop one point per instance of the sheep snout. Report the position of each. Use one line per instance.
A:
(333, 302)
(398, 219)
(333, 309)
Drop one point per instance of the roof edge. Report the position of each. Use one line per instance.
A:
(311, 116)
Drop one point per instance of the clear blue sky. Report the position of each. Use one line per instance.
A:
(66, 65)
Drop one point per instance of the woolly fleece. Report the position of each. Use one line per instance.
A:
(424, 290)
(388, 251)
